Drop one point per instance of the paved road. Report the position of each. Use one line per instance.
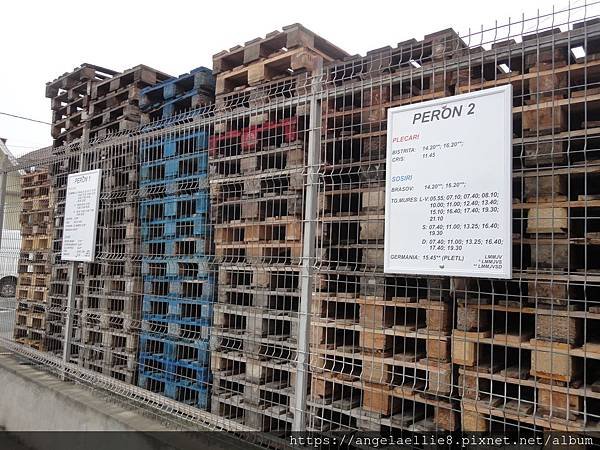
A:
(7, 316)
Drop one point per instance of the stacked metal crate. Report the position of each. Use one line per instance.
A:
(256, 158)
(70, 97)
(176, 241)
(34, 260)
(380, 343)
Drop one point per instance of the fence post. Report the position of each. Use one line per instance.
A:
(308, 252)
(3, 177)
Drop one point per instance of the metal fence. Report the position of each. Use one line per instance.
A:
(239, 283)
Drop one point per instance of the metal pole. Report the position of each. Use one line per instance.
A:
(7, 255)
(308, 254)
(2, 201)
(71, 304)
(73, 268)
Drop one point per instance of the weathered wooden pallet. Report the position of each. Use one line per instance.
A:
(258, 297)
(264, 135)
(141, 76)
(292, 37)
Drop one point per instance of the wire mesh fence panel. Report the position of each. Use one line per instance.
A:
(238, 281)
(394, 354)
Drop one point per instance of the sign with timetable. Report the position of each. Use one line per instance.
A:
(81, 216)
(448, 186)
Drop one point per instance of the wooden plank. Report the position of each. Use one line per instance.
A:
(446, 419)
(544, 187)
(546, 220)
(559, 404)
(551, 360)
(465, 347)
(438, 316)
(471, 317)
(438, 349)
(474, 422)
(559, 329)
(439, 378)
(379, 399)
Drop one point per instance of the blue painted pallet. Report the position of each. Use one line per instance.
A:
(202, 316)
(172, 145)
(180, 207)
(191, 247)
(189, 385)
(178, 109)
(186, 391)
(176, 310)
(192, 394)
(185, 371)
(176, 106)
(176, 167)
(173, 171)
(174, 369)
(175, 187)
(163, 320)
(180, 117)
(152, 382)
(154, 345)
(190, 373)
(157, 368)
(198, 289)
(159, 346)
(182, 392)
(198, 79)
(196, 226)
(175, 268)
(197, 277)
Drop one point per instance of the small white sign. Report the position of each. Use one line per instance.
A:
(449, 186)
(81, 216)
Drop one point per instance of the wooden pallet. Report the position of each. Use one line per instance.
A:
(478, 416)
(70, 94)
(284, 207)
(292, 36)
(258, 232)
(263, 59)
(258, 277)
(140, 76)
(264, 297)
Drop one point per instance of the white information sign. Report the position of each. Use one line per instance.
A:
(448, 186)
(81, 216)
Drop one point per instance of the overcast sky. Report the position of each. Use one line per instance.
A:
(41, 40)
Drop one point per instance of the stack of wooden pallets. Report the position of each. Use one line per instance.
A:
(115, 103)
(112, 293)
(108, 296)
(519, 353)
(380, 344)
(388, 352)
(532, 360)
(256, 162)
(264, 70)
(34, 261)
(70, 99)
